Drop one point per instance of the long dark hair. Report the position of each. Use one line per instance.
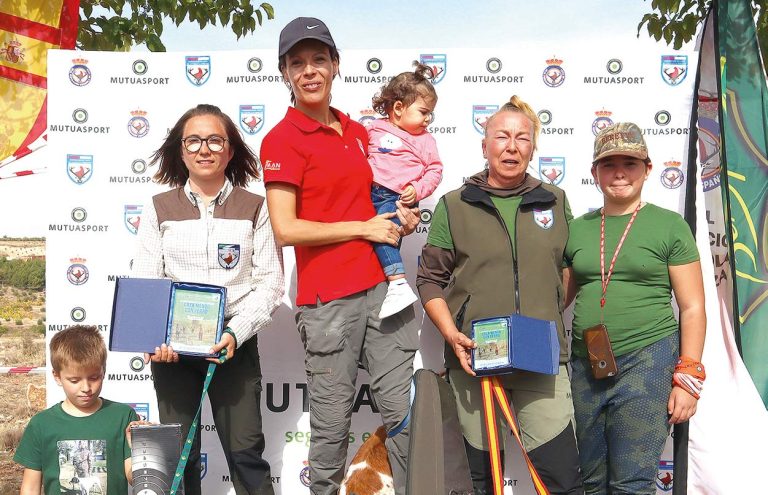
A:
(242, 168)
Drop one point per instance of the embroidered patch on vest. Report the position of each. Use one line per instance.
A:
(544, 218)
(229, 255)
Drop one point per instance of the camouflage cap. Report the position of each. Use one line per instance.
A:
(623, 138)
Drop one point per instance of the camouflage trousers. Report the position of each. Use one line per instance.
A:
(621, 422)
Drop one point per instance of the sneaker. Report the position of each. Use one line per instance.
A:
(399, 296)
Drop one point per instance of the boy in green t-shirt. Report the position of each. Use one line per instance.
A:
(83, 442)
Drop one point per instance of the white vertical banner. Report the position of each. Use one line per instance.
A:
(108, 112)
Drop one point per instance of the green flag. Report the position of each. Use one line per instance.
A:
(745, 167)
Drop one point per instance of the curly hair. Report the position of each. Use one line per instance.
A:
(405, 88)
(243, 167)
(517, 105)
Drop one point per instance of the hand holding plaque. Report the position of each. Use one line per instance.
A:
(515, 342)
(150, 312)
(194, 324)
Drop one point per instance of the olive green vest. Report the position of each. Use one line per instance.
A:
(483, 281)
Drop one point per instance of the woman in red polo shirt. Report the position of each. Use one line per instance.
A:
(318, 191)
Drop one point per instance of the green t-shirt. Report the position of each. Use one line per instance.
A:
(508, 209)
(66, 448)
(638, 309)
(440, 232)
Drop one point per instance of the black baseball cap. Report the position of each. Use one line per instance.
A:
(304, 28)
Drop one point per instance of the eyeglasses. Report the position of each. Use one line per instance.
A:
(194, 143)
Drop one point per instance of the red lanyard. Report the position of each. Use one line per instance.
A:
(603, 277)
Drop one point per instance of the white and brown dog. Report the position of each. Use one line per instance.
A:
(370, 472)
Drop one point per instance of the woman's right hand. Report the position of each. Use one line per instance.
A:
(462, 346)
(162, 354)
(381, 229)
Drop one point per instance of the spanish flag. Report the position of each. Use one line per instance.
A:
(28, 29)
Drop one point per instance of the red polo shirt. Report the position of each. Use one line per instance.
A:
(333, 184)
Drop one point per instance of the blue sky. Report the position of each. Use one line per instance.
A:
(431, 23)
(362, 24)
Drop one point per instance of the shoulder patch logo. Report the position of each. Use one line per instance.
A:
(229, 255)
(544, 218)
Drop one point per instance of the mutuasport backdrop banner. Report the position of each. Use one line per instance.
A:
(109, 111)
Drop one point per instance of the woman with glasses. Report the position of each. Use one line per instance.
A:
(209, 229)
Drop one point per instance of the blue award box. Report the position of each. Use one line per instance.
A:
(149, 312)
(515, 342)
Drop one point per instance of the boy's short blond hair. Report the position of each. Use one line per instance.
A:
(80, 346)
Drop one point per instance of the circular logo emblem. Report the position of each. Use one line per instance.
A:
(600, 123)
(140, 67)
(493, 65)
(614, 66)
(138, 127)
(662, 117)
(139, 166)
(366, 120)
(553, 76)
(79, 214)
(79, 75)
(77, 274)
(672, 177)
(77, 314)
(80, 115)
(137, 363)
(373, 65)
(304, 476)
(545, 117)
(425, 216)
(254, 64)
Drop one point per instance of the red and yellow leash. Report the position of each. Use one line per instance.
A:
(492, 388)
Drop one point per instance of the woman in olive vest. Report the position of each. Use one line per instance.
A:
(500, 233)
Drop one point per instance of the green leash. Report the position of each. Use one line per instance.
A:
(193, 428)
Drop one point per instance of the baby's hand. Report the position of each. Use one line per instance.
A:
(409, 195)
